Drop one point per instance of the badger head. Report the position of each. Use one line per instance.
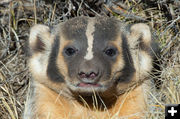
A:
(86, 55)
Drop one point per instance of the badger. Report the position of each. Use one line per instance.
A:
(89, 68)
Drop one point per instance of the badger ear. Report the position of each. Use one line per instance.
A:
(140, 41)
(39, 39)
(140, 36)
(39, 48)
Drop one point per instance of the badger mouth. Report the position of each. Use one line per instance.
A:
(87, 85)
(85, 88)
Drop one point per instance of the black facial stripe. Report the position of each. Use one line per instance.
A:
(52, 70)
(128, 69)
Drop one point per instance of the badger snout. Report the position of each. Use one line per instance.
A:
(89, 72)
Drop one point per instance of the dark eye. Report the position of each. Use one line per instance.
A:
(110, 52)
(70, 51)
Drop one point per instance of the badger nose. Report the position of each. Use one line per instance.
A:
(88, 72)
(88, 75)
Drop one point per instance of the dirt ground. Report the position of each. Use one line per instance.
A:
(17, 16)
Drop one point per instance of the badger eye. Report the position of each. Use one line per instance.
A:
(110, 52)
(70, 51)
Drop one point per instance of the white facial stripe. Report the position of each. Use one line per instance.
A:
(89, 35)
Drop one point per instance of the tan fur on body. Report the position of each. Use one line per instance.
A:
(51, 105)
(64, 99)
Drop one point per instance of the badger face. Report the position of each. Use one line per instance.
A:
(89, 54)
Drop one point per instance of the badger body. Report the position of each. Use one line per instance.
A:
(89, 68)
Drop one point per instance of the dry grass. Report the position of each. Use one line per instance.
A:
(17, 16)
